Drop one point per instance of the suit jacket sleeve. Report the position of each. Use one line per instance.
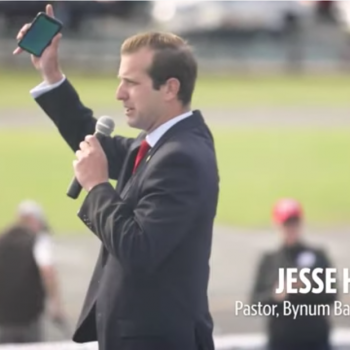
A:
(142, 237)
(74, 121)
(262, 288)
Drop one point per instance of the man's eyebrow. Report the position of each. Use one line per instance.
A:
(126, 79)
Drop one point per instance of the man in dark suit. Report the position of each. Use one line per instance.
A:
(149, 287)
(305, 330)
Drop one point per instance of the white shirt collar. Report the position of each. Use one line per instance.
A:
(153, 137)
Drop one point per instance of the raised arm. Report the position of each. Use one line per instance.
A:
(61, 103)
(74, 121)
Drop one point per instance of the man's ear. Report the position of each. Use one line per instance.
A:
(171, 89)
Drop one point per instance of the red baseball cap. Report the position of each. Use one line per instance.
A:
(285, 209)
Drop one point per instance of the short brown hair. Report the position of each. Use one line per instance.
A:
(173, 58)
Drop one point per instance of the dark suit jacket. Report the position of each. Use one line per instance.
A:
(149, 287)
(286, 329)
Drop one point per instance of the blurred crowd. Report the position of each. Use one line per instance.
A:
(71, 13)
(178, 15)
(290, 30)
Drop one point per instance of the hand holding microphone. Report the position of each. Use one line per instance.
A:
(91, 165)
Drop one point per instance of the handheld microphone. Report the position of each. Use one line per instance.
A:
(104, 128)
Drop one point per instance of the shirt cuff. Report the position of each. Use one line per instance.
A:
(45, 87)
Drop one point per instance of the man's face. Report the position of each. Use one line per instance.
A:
(31, 222)
(291, 231)
(143, 105)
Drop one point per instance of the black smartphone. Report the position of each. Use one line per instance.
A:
(42, 30)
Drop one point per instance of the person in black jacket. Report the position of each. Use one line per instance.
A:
(149, 288)
(301, 330)
(28, 277)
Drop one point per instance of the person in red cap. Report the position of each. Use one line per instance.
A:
(297, 330)
(285, 209)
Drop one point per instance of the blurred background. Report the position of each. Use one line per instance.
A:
(274, 87)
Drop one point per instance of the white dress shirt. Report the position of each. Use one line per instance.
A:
(45, 87)
(152, 138)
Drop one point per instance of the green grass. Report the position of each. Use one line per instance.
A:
(257, 166)
(212, 91)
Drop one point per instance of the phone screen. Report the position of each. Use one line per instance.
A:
(39, 36)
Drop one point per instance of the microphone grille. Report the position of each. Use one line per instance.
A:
(105, 125)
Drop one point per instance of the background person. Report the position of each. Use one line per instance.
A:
(28, 277)
(284, 332)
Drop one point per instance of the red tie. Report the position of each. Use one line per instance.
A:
(141, 153)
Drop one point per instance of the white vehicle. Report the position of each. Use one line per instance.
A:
(186, 16)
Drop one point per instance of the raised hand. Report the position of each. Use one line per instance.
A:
(48, 63)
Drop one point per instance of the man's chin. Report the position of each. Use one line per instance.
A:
(132, 123)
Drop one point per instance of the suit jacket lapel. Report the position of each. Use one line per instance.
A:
(194, 121)
(129, 161)
(125, 176)
(124, 179)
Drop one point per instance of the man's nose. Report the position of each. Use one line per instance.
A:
(121, 94)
